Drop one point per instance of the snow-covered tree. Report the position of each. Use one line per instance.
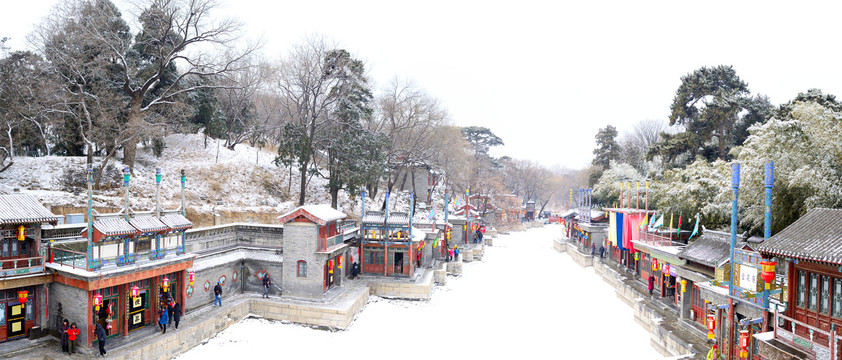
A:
(607, 190)
(808, 161)
(701, 187)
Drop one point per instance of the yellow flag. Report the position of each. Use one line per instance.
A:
(670, 222)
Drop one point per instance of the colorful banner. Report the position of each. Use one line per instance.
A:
(612, 228)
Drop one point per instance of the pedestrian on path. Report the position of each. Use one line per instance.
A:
(450, 254)
(217, 293)
(163, 320)
(71, 338)
(651, 284)
(100, 338)
(713, 354)
(593, 249)
(266, 283)
(601, 251)
(65, 325)
(170, 304)
(176, 314)
(456, 252)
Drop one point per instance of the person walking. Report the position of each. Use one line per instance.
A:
(170, 304)
(266, 283)
(456, 252)
(593, 249)
(479, 235)
(601, 251)
(65, 325)
(651, 284)
(163, 320)
(217, 292)
(72, 333)
(450, 254)
(713, 354)
(100, 338)
(176, 314)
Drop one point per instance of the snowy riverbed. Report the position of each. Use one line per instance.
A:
(524, 300)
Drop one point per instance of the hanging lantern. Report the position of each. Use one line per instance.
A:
(683, 286)
(711, 323)
(636, 256)
(768, 273)
(743, 343)
(97, 301)
(190, 276)
(666, 268)
(654, 264)
(330, 266)
(339, 262)
(21, 233)
(374, 233)
(165, 283)
(22, 294)
(135, 292)
(399, 235)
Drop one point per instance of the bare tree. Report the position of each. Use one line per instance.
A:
(635, 143)
(143, 67)
(410, 117)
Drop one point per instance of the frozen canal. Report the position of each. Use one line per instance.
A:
(524, 300)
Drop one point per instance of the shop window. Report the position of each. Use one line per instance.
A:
(29, 306)
(824, 302)
(2, 313)
(813, 291)
(802, 288)
(837, 297)
(302, 268)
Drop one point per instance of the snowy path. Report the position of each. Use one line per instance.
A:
(524, 300)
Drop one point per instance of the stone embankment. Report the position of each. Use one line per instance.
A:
(669, 335)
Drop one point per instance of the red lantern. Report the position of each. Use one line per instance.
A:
(165, 283)
(711, 326)
(666, 268)
(743, 343)
(768, 273)
(654, 264)
(22, 294)
(135, 292)
(190, 276)
(97, 301)
(330, 267)
(339, 262)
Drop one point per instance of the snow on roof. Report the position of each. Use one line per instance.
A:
(114, 226)
(398, 218)
(320, 214)
(176, 221)
(147, 224)
(23, 209)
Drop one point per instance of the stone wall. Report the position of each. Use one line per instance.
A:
(205, 279)
(420, 290)
(233, 234)
(300, 239)
(583, 260)
(74, 307)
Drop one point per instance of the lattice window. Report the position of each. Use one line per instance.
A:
(824, 302)
(813, 291)
(302, 268)
(837, 297)
(802, 288)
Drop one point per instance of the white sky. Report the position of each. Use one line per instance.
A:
(546, 75)
(557, 311)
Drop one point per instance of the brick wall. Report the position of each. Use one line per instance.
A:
(74, 305)
(300, 244)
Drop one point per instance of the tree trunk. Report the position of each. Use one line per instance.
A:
(130, 145)
(303, 186)
(722, 142)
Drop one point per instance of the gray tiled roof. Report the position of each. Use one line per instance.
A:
(815, 236)
(114, 226)
(708, 249)
(23, 209)
(176, 221)
(398, 218)
(147, 224)
(374, 217)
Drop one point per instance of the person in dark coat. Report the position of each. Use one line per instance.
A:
(176, 314)
(100, 337)
(651, 284)
(593, 249)
(217, 293)
(479, 236)
(267, 282)
(65, 325)
(163, 320)
(170, 304)
(601, 251)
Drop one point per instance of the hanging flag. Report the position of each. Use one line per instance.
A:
(696, 228)
(679, 221)
(644, 223)
(658, 223)
(670, 223)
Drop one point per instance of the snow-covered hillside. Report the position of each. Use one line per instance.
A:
(218, 179)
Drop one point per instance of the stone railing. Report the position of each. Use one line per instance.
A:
(234, 234)
(803, 336)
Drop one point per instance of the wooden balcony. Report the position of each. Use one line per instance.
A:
(22, 266)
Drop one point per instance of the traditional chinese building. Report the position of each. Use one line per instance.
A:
(23, 292)
(701, 256)
(132, 264)
(389, 243)
(314, 251)
(808, 320)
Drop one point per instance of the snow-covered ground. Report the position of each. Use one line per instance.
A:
(523, 301)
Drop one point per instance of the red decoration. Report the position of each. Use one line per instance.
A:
(165, 283)
(135, 291)
(768, 273)
(22, 294)
(97, 301)
(711, 323)
(339, 262)
(190, 276)
(330, 267)
(743, 343)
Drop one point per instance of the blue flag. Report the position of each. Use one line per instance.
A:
(695, 228)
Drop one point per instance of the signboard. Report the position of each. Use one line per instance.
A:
(748, 277)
